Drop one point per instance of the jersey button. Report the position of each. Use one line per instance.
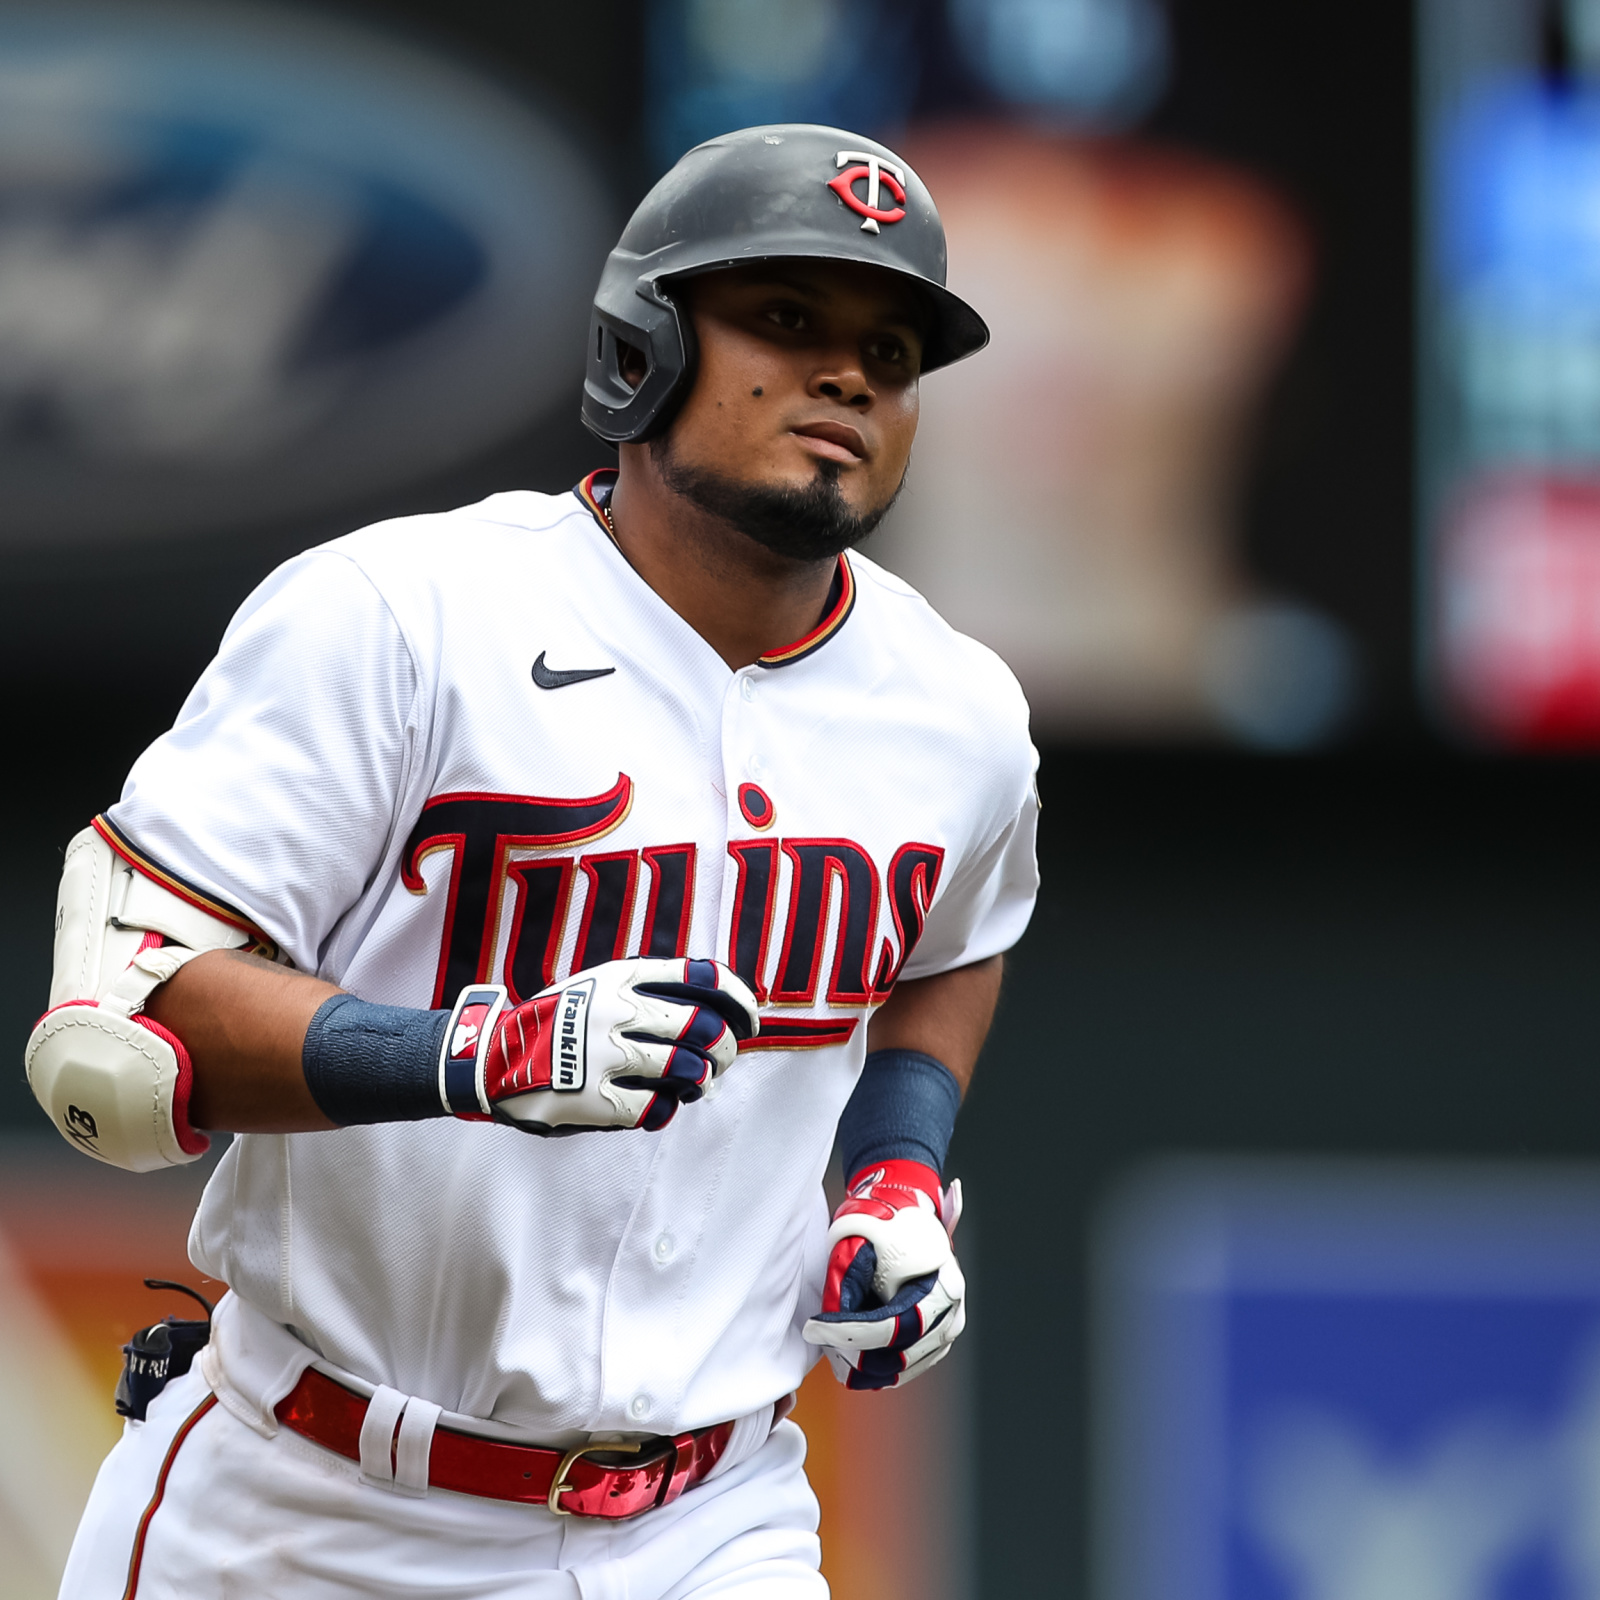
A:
(666, 1247)
(757, 766)
(748, 688)
(639, 1407)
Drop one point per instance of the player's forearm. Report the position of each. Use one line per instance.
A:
(946, 1017)
(893, 1298)
(275, 1052)
(243, 1021)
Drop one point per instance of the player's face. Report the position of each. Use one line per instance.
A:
(806, 369)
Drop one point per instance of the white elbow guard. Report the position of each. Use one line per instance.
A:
(114, 1082)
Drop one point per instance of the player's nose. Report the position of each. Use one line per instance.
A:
(841, 379)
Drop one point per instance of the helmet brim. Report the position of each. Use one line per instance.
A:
(954, 329)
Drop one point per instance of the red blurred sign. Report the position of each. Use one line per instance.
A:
(1519, 623)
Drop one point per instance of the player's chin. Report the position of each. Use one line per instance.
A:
(864, 490)
(799, 479)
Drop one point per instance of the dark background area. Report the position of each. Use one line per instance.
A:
(1387, 947)
(1384, 953)
(1317, 102)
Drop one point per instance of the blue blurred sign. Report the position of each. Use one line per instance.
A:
(720, 64)
(1509, 369)
(715, 65)
(1098, 63)
(253, 263)
(1350, 1383)
(1517, 256)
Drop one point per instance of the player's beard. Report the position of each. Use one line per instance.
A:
(810, 524)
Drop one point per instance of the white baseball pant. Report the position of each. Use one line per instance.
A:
(242, 1516)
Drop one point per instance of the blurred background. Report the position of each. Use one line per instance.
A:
(1279, 487)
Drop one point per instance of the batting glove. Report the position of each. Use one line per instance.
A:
(894, 1300)
(621, 1045)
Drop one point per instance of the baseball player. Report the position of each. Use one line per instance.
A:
(538, 891)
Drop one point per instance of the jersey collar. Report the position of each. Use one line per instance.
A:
(841, 601)
(594, 492)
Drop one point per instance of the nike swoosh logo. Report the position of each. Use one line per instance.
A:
(549, 678)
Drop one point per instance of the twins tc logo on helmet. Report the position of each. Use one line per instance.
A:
(878, 173)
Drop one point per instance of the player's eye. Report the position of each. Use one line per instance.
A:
(787, 316)
(890, 350)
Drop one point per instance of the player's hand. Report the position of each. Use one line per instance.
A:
(621, 1045)
(894, 1300)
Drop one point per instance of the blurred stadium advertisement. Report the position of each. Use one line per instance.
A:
(1326, 1381)
(1519, 625)
(254, 263)
(1071, 501)
(77, 1239)
(1510, 327)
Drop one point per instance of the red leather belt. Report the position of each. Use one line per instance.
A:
(601, 1480)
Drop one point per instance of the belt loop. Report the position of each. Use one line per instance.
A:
(413, 1447)
(384, 1411)
(683, 1464)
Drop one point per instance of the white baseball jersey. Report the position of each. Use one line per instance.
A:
(372, 774)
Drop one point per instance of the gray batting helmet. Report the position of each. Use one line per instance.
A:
(762, 194)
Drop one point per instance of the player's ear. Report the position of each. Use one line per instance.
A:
(633, 364)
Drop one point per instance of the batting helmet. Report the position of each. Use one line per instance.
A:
(762, 194)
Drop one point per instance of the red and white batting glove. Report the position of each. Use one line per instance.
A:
(621, 1045)
(894, 1300)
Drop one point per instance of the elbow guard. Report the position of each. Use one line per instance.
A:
(113, 1081)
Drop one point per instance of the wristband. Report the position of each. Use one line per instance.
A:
(371, 1063)
(903, 1109)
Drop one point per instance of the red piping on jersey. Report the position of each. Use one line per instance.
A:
(800, 1033)
(170, 881)
(844, 583)
(762, 820)
(585, 492)
(136, 1559)
(838, 614)
(619, 797)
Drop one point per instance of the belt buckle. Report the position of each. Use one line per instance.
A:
(560, 1485)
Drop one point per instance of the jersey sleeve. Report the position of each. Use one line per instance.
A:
(276, 790)
(985, 905)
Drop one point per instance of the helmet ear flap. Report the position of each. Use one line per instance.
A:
(606, 361)
(615, 409)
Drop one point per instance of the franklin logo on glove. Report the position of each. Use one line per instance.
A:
(574, 1023)
(623, 1046)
